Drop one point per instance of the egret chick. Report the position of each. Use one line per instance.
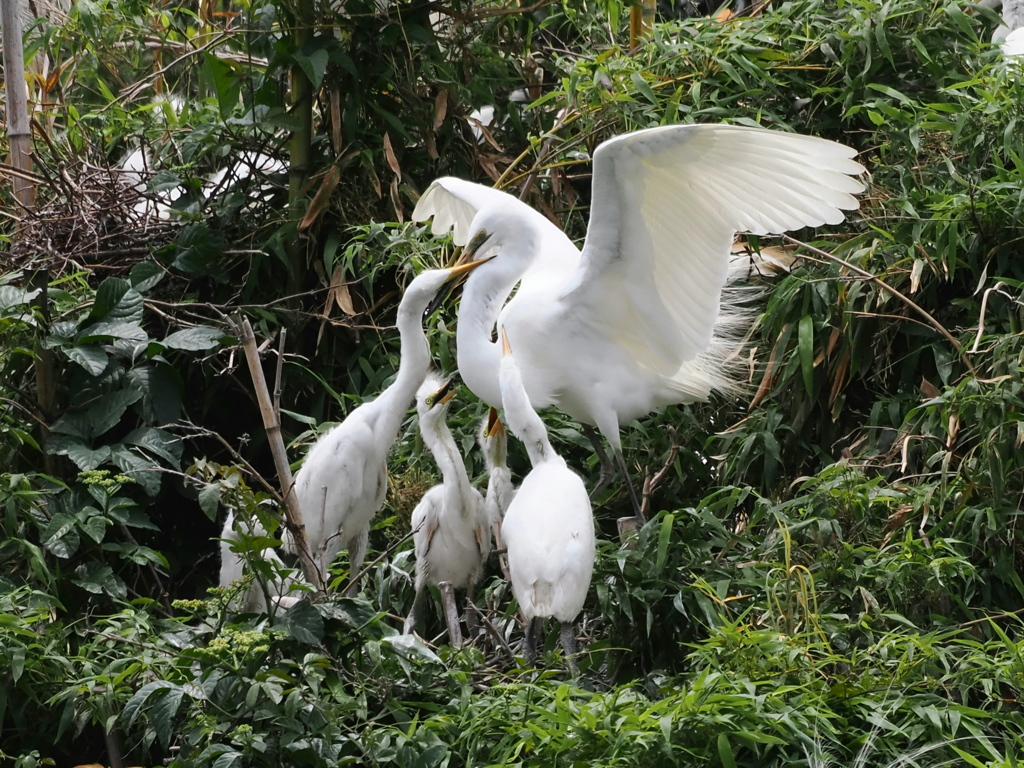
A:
(500, 489)
(282, 590)
(451, 529)
(637, 320)
(549, 526)
(344, 480)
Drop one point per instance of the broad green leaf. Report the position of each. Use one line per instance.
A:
(158, 442)
(84, 457)
(304, 623)
(61, 536)
(134, 706)
(100, 578)
(194, 339)
(145, 275)
(91, 357)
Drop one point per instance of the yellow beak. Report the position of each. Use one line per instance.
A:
(494, 425)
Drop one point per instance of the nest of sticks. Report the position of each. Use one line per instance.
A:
(86, 217)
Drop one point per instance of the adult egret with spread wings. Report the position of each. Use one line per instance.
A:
(451, 529)
(343, 481)
(549, 526)
(636, 320)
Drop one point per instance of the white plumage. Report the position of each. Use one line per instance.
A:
(636, 320)
(283, 585)
(500, 489)
(548, 528)
(451, 530)
(343, 481)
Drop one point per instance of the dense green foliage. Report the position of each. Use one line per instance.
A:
(832, 575)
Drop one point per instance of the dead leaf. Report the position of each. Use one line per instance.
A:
(396, 201)
(336, 119)
(428, 139)
(389, 154)
(952, 429)
(440, 108)
(322, 198)
(339, 294)
(915, 275)
(929, 389)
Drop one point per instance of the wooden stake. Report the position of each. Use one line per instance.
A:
(451, 613)
(272, 423)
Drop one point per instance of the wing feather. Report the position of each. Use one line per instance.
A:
(667, 203)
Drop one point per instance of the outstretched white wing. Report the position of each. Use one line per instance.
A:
(666, 204)
(454, 202)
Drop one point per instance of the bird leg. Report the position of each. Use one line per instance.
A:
(356, 555)
(472, 620)
(607, 467)
(568, 638)
(530, 641)
(414, 615)
(451, 613)
(640, 517)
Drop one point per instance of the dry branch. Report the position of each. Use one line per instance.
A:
(272, 423)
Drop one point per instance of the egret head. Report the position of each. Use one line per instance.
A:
(493, 440)
(433, 398)
(455, 276)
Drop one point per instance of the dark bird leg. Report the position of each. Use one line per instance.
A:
(640, 518)
(607, 467)
(568, 638)
(472, 620)
(414, 615)
(356, 555)
(530, 643)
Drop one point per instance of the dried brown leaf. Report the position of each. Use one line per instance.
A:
(322, 198)
(440, 108)
(389, 154)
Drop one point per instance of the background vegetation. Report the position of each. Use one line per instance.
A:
(832, 575)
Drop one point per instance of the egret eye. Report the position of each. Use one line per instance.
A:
(478, 240)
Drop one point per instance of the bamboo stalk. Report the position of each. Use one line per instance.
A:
(300, 147)
(19, 128)
(272, 423)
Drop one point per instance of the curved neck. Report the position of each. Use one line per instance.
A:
(520, 416)
(414, 362)
(487, 289)
(438, 438)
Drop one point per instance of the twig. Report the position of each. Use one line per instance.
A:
(886, 287)
(283, 336)
(272, 424)
(981, 316)
(650, 483)
(492, 630)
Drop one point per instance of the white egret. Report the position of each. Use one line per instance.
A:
(549, 526)
(343, 481)
(500, 489)
(451, 530)
(638, 319)
(283, 584)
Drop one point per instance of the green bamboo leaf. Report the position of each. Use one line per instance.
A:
(805, 343)
(725, 753)
(663, 538)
